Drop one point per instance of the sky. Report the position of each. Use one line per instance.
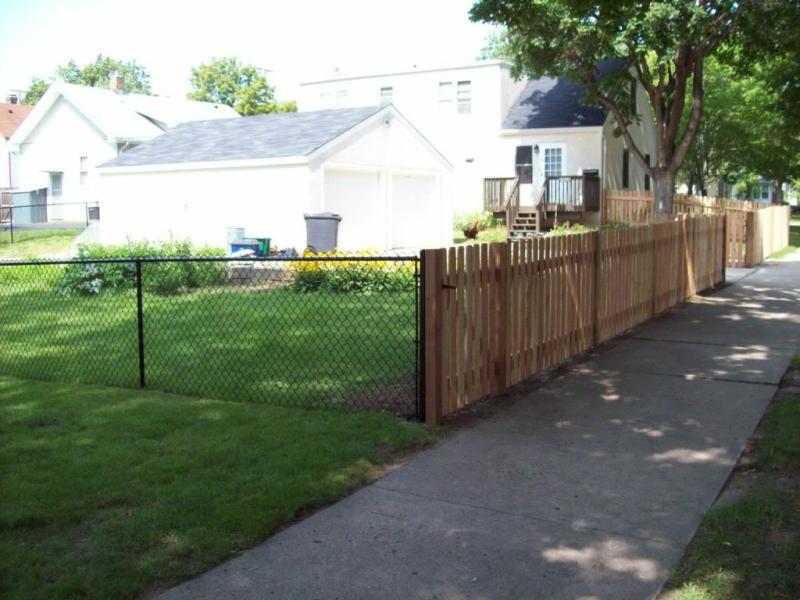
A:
(297, 40)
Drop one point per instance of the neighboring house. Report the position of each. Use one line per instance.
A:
(493, 128)
(12, 115)
(74, 128)
(204, 180)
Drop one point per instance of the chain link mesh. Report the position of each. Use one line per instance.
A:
(322, 331)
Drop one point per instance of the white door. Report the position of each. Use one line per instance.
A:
(415, 214)
(550, 164)
(356, 196)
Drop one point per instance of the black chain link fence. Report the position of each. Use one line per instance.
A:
(311, 331)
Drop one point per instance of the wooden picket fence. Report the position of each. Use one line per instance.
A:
(495, 314)
(754, 230)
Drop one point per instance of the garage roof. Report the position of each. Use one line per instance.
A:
(257, 137)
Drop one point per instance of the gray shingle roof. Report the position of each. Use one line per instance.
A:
(548, 102)
(262, 136)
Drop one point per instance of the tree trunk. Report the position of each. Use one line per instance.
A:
(777, 197)
(663, 191)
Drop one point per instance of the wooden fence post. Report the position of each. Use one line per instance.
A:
(433, 268)
(499, 261)
(598, 287)
(750, 239)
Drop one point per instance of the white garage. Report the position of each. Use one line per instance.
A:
(197, 181)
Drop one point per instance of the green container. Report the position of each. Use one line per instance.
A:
(263, 245)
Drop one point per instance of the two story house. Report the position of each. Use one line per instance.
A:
(523, 141)
(74, 128)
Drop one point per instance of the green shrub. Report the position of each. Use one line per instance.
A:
(570, 229)
(484, 220)
(45, 277)
(616, 225)
(166, 277)
(351, 275)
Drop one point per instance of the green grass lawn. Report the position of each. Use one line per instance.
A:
(37, 242)
(794, 240)
(751, 548)
(275, 346)
(495, 234)
(111, 493)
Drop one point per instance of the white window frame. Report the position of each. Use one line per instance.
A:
(464, 97)
(386, 94)
(57, 192)
(447, 96)
(83, 177)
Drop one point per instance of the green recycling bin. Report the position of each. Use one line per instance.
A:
(263, 245)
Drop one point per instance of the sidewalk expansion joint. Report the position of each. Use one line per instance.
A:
(697, 343)
(498, 511)
(693, 376)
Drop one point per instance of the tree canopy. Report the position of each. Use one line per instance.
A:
(243, 87)
(135, 78)
(663, 43)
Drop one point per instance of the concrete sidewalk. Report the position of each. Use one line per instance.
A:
(587, 488)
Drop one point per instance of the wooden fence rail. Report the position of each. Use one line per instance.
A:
(498, 313)
(754, 230)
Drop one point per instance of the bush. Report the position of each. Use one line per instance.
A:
(44, 277)
(470, 224)
(166, 277)
(370, 276)
(570, 229)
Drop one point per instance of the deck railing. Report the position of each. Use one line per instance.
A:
(497, 191)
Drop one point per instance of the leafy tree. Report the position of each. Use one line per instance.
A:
(36, 90)
(243, 87)
(135, 78)
(751, 120)
(496, 46)
(665, 44)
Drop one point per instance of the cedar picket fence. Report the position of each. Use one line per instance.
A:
(754, 231)
(495, 314)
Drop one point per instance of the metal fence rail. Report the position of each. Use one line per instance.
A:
(312, 331)
(17, 220)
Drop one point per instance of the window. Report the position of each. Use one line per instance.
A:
(764, 190)
(464, 97)
(646, 176)
(84, 177)
(341, 98)
(524, 164)
(634, 109)
(553, 162)
(386, 95)
(56, 180)
(446, 96)
(626, 175)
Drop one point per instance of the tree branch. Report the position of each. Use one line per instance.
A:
(694, 118)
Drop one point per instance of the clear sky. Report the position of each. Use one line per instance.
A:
(296, 39)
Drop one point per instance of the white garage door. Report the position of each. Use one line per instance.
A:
(356, 197)
(416, 216)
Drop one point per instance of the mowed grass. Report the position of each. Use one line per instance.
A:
(276, 346)
(111, 493)
(794, 240)
(495, 234)
(751, 548)
(37, 242)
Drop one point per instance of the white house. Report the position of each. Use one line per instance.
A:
(74, 128)
(390, 185)
(491, 126)
(12, 115)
